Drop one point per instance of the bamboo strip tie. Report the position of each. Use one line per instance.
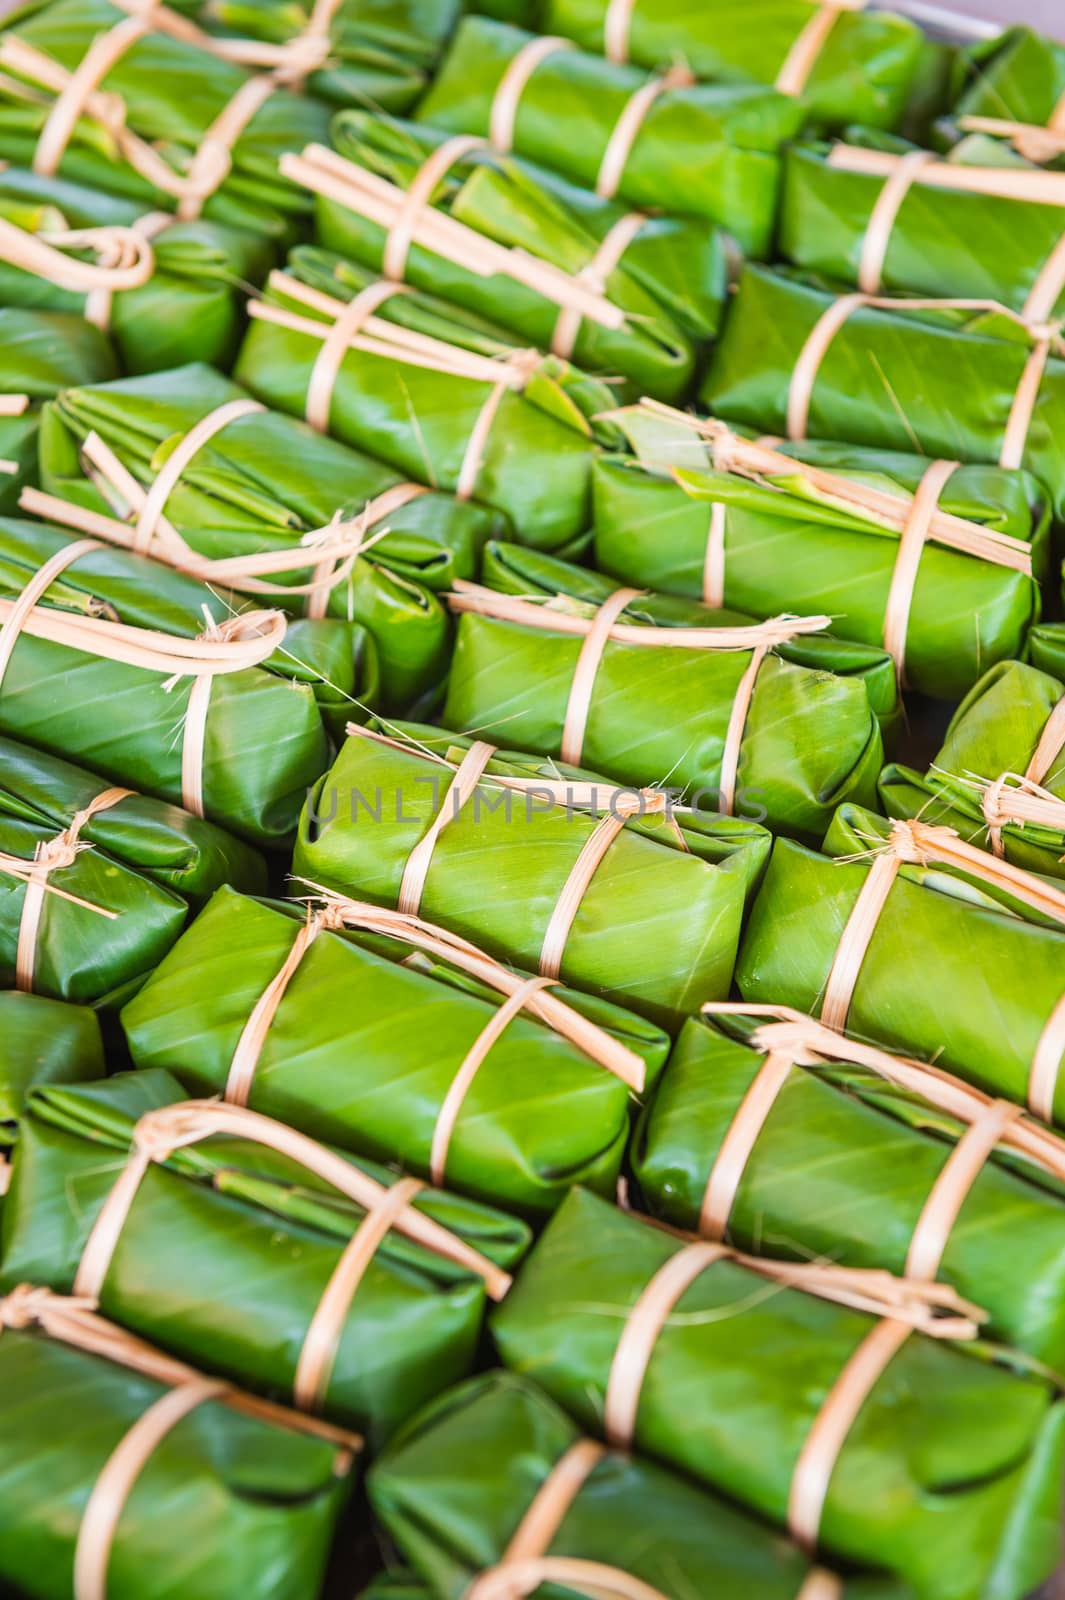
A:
(1035, 141)
(808, 47)
(604, 627)
(810, 1043)
(1046, 339)
(902, 1306)
(234, 645)
(74, 1322)
(160, 1133)
(916, 518)
(916, 843)
(79, 94)
(124, 257)
(396, 343)
(332, 551)
(52, 855)
(409, 217)
(519, 994)
(1028, 801)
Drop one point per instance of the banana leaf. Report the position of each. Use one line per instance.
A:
(161, 98)
(709, 150)
(939, 383)
(41, 1041)
(267, 483)
(395, 1586)
(380, 51)
(236, 1498)
(418, 407)
(500, 865)
(412, 1019)
(958, 970)
(190, 309)
(984, 773)
(133, 870)
(227, 1247)
(452, 1487)
(41, 353)
(661, 715)
(790, 543)
(950, 1478)
(1016, 77)
(525, 209)
(265, 740)
(1046, 648)
(862, 73)
(842, 1168)
(939, 241)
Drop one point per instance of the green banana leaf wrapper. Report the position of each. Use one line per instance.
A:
(956, 972)
(41, 353)
(661, 715)
(452, 1487)
(380, 51)
(227, 1248)
(412, 1026)
(1018, 76)
(498, 869)
(265, 483)
(41, 1041)
(171, 92)
(229, 1501)
(994, 732)
(670, 281)
(191, 308)
(143, 861)
(938, 242)
(938, 383)
(1046, 648)
(950, 1478)
(537, 459)
(863, 73)
(842, 1168)
(710, 150)
(267, 735)
(395, 1586)
(790, 547)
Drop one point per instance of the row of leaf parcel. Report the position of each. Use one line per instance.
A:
(651, 1031)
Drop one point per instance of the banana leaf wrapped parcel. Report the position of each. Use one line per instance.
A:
(847, 65)
(218, 1234)
(670, 143)
(440, 394)
(498, 1446)
(959, 379)
(625, 294)
(821, 527)
(906, 934)
(398, 1585)
(176, 696)
(166, 291)
(96, 881)
(932, 237)
(41, 353)
(653, 690)
(163, 118)
(41, 1041)
(1011, 88)
(881, 1439)
(268, 507)
(545, 866)
(999, 776)
(774, 1133)
(371, 52)
(460, 1077)
(158, 1478)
